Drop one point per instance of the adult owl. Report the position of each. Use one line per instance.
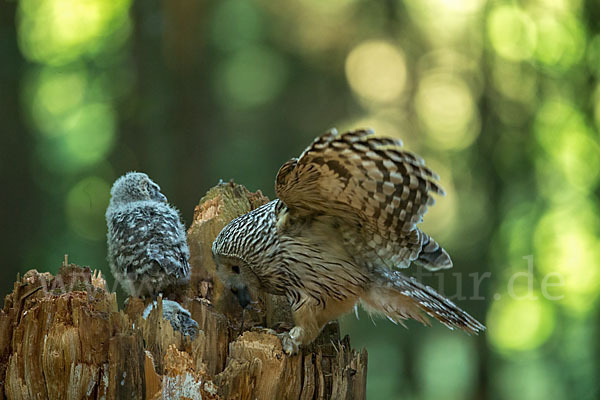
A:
(342, 229)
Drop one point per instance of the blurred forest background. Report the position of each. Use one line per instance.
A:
(502, 98)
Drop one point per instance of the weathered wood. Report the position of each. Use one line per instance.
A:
(64, 337)
(220, 205)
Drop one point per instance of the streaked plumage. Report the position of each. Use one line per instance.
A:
(343, 225)
(147, 248)
(180, 318)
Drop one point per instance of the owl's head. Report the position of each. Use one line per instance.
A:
(180, 318)
(239, 265)
(238, 277)
(233, 270)
(135, 186)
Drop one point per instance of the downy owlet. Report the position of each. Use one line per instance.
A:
(344, 226)
(147, 248)
(180, 318)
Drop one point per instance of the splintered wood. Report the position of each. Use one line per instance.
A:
(64, 337)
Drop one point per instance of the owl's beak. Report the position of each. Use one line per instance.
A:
(243, 295)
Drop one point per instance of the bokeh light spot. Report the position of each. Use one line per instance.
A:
(561, 41)
(452, 6)
(85, 206)
(566, 243)
(515, 80)
(383, 124)
(54, 93)
(517, 324)
(84, 137)
(90, 132)
(511, 32)
(58, 31)
(376, 70)
(444, 21)
(441, 218)
(563, 133)
(59, 92)
(252, 77)
(445, 107)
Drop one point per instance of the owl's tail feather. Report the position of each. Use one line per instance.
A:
(399, 297)
(432, 255)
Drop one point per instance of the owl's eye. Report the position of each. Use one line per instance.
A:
(235, 269)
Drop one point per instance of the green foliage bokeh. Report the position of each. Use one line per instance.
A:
(502, 99)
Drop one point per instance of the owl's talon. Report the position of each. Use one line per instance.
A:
(347, 209)
(289, 345)
(261, 329)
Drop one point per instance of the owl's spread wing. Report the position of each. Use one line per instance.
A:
(376, 191)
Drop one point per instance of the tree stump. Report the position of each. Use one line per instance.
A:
(64, 337)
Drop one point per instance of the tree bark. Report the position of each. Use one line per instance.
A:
(64, 337)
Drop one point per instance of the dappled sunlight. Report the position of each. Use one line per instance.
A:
(517, 81)
(384, 124)
(90, 132)
(82, 138)
(558, 6)
(512, 32)
(567, 244)
(440, 219)
(60, 31)
(556, 39)
(314, 27)
(73, 131)
(376, 71)
(446, 108)
(455, 8)
(68, 100)
(561, 41)
(500, 98)
(566, 237)
(53, 93)
(444, 21)
(563, 133)
(522, 323)
(251, 77)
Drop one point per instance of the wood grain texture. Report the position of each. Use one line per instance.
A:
(64, 337)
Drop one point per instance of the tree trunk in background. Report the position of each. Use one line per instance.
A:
(64, 337)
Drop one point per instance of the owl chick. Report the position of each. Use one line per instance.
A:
(181, 320)
(147, 248)
(343, 226)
